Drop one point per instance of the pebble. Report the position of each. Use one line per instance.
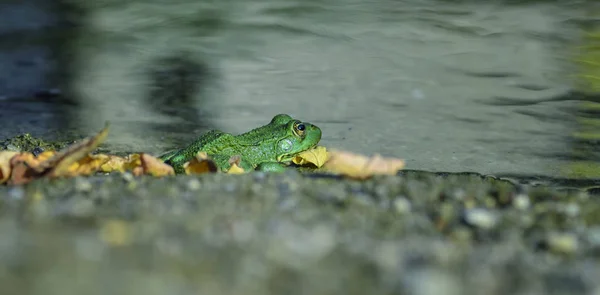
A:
(37, 151)
(127, 176)
(16, 193)
(572, 209)
(565, 243)
(82, 184)
(402, 205)
(521, 202)
(481, 218)
(194, 184)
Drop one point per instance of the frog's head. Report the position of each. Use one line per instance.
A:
(297, 137)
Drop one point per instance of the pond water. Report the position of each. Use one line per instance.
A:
(483, 86)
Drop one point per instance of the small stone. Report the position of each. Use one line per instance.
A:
(572, 209)
(481, 218)
(16, 193)
(402, 205)
(565, 243)
(82, 208)
(193, 184)
(12, 147)
(127, 176)
(521, 202)
(37, 151)
(259, 176)
(82, 184)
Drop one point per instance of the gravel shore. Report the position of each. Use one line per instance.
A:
(296, 233)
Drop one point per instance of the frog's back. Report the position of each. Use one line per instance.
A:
(211, 142)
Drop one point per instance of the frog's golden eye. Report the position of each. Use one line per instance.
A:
(299, 128)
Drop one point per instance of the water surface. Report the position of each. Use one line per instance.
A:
(446, 85)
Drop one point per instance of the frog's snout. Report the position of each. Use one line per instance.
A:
(314, 134)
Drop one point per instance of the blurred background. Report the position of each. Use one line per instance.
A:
(499, 87)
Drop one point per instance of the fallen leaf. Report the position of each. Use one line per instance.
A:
(360, 166)
(74, 160)
(59, 164)
(235, 169)
(155, 166)
(23, 168)
(316, 156)
(200, 164)
(86, 166)
(121, 164)
(46, 155)
(5, 167)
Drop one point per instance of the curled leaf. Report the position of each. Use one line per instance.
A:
(360, 166)
(200, 164)
(86, 166)
(235, 169)
(23, 169)
(155, 167)
(121, 164)
(5, 168)
(316, 156)
(59, 164)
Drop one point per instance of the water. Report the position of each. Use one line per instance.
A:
(488, 87)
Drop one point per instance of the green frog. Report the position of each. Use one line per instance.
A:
(266, 148)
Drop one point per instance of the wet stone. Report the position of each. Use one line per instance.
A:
(402, 205)
(481, 218)
(565, 243)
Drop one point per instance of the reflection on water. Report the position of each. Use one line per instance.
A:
(448, 86)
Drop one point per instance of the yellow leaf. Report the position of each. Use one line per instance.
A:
(113, 163)
(86, 166)
(360, 166)
(235, 169)
(59, 164)
(5, 168)
(316, 156)
(155, 166)
(200, 164)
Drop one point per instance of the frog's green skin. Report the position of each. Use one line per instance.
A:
(265, 148)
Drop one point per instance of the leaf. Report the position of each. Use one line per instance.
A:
(74, 160)
(5, 167)
(121, 164)
(200, 164)
(235, 169)
(316, 156)
(58, 165)
(86, 166)
(23, 169)
(155, 167)
(360, 166)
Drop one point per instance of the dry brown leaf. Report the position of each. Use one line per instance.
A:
(23, 168)
(121, 164)
(200, 164)
(360, 166)
(46, 155)
(59, 164)
(5, 167)
(113, 163)
(86, 166)
(316, 156)
(155, 166)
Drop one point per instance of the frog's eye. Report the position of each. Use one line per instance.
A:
(299, 128)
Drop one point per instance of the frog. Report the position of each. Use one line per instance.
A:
(268, 148)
